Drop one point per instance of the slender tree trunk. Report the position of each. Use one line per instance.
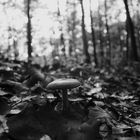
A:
(62, 39)
(121, 52)
(93, 36)
(100, 38)
(85, 42)
(29, 36)
(138, 26)
(108, 34)
(134, 53)
(16, 53)
(9, 37)
(120, 41)
(138, 35)
(74, 27)
(63, 43)
(127, 41)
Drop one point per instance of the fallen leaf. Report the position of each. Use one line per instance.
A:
(4, 106)
(94, 90)
(45, 137)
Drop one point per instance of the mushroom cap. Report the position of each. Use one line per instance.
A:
(64, 84)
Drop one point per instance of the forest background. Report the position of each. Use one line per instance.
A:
(98, 32)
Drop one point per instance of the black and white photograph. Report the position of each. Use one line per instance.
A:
(69, 69)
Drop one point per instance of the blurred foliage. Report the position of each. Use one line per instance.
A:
(47, 29)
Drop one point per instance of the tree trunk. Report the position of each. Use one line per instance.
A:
(93, 37)
(72, 23)
(63, 43)
(84, 36)
(9, 37)
(62, 39)
(127, 42)
(16, 53)
(108, 34)
(138, 26)
(74, 27)
(120, 41)
(100, 38)
(29, 36)
(134, 53)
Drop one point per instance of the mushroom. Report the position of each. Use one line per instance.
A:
(64, 85)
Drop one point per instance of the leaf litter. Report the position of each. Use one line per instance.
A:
(106, 106)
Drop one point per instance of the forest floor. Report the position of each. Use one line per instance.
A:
(105, 106)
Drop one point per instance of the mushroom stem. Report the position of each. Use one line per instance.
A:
(65, 101)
